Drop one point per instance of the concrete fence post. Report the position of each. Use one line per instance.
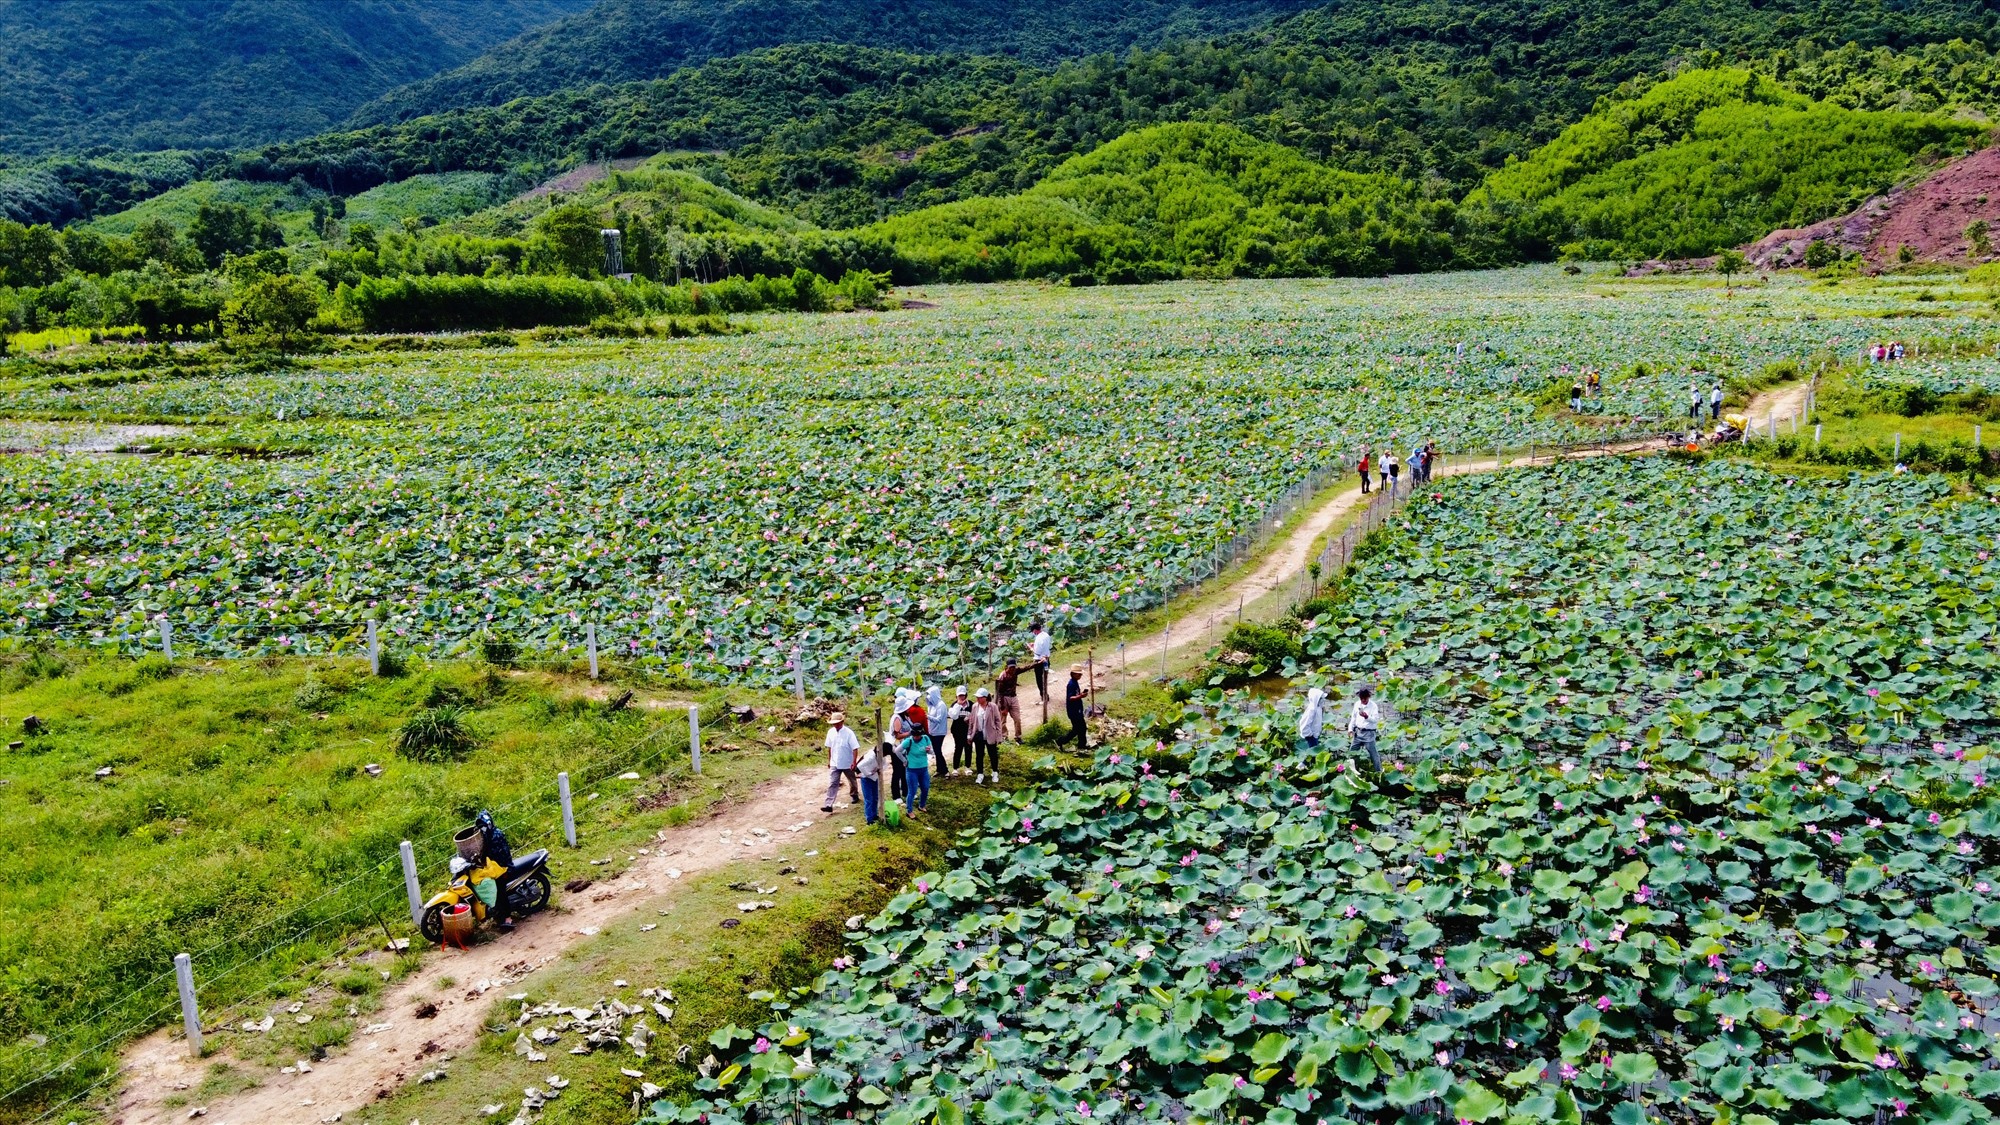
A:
(590, 643)
(568, 812)
(190, 1014)
(167, 639)
(1166, 641)
(1816, 429)
(411, 885)
(374, 650)
(799, 673)
(694, 735)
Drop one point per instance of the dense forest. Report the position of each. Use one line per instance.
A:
(632, 40)
(79, 75)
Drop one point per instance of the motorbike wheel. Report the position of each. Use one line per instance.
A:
(533, 893)
(432, 925)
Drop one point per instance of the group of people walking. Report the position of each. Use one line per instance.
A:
(973, 725)
(1423, 459)
(1890, 352)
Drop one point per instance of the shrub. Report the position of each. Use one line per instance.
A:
(499, 650)
(436, 734)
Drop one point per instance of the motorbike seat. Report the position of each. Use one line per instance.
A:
(526, 863)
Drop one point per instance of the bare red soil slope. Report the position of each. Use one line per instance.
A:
(1929, 216)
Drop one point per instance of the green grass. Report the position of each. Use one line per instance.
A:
(238, 797)
(431, 198)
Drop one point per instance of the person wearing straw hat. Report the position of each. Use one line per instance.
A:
(841, 746)
(1073, 697)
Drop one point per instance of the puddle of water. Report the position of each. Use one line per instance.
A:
(18, 436)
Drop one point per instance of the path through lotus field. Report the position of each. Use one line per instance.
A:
(864, 494)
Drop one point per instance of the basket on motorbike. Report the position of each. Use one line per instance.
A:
(469, 843)
(458, 923)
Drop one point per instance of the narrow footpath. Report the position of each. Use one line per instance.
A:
(157, 1069)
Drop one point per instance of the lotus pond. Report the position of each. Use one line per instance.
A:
(1685, 817)
(861, 491)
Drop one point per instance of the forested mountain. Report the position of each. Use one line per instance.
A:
(153, 74)
(1440, 92)
(631, 40)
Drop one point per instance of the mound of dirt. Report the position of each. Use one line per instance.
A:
(1929, 216)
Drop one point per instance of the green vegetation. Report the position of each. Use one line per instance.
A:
(1177, 200)
(620, 41)
(249, 820)
(1657, 834)
(1709, 159)
(191, 74)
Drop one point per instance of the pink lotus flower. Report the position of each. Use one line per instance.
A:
(1604, 1003)
(1885, 1061)
(1083, 1109)
(760, 1046)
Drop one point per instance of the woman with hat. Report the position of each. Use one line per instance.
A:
(986, 728)
(909, 719)
(938, 727)
(961, 734)
(914, 744)
(841, 746)
(1073, 696)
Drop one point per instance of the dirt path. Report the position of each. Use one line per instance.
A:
(1781, 403)
(157, 1067)
(1280, 568)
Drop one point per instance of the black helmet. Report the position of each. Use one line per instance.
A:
(484, 819)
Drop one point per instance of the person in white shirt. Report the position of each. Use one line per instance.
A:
(1715, 403)
(875, 775)
(1041, 647)
(1314, 720)
(1363, 722)
(841, 746)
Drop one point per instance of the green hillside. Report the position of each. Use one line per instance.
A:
(1709, 159)
(80, 74)
(1178, 200)
(632, 40)
(1441, 94)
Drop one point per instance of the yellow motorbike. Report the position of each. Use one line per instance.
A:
(525, 884)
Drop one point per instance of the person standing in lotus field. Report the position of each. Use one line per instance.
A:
(961, 733)
(1364, 722)
(1363, 466)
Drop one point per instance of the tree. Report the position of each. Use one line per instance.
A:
(30, 256)
(156, 240)
(222, 229)
(1729, 263)
(1979, 237)
(281, 306)
(567, 241)
(1821, 254)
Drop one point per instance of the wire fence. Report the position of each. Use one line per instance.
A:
(264, 959)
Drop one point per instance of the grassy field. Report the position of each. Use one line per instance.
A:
(234, 818)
